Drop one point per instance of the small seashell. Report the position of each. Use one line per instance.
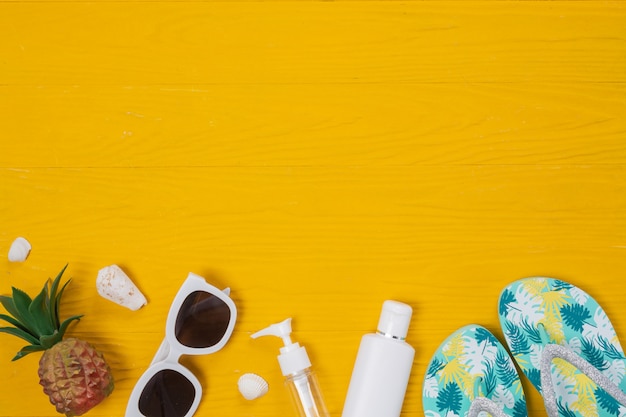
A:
(252, 386)
(20, 249)
(114, 285)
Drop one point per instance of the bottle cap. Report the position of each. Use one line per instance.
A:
(293, 357)
(395, 319)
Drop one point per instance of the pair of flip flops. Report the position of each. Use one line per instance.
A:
(560, 338)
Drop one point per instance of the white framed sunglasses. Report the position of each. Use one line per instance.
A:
(200, 321)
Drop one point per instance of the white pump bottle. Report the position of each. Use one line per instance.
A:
(383, 366)
(296, 368)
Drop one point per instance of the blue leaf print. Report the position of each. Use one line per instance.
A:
(449, 398)
(490, 380)
(575, 315)
(609, 349)
(607, 402)
(558, 285)
(564, 410)
(532, 333)
(505, 369)
(517, 340)
(434, 367)
(534, 375)
(506, 298)
(519, 410)
(594, 355)
(483, 334)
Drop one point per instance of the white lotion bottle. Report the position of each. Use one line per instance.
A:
(296, 368)
(382, 367)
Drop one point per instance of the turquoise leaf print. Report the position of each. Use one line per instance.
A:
(517, 340)
(609, 349)
(482, 334)
(490, 380)
(594, 355)
(564, 410)
(519, 410)
(507, 298)
(449, 398)
(434, 367)
(534, 375)
(607, 402)
(531, 332)
(575, 315)
(558, 285)
(505, 369)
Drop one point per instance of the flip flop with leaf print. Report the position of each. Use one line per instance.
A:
(472, 373)
(565, 344)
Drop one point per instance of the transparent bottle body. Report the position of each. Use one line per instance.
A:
(306, 394)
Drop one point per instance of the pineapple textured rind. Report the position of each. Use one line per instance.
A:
(75, 376)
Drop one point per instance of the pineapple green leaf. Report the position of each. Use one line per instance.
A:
(57, 303)
(39, 313)
(63, 327)
(20, 333)
(50, 340)
(14, 322)
(36, 320)
(46, 298)
(46, 305)
(54, 299)
(7, 303)
(60, 274)
(26, 350)
(21, 301)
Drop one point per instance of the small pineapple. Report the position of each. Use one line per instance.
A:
(73, 374)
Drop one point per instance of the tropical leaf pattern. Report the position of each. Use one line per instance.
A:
(534, 311)
(470, 363)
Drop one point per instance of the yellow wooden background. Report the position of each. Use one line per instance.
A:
(316, 157)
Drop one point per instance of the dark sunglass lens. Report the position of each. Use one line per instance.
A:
(202, 320)
(167, 394)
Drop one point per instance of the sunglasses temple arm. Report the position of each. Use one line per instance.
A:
(226, 291)
(162, 353)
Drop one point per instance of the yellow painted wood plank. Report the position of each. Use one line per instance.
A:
(322, 244)
(317, 158)
(76, 43)
(304, 125)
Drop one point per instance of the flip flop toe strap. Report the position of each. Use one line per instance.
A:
(485, 404)
(552, 351)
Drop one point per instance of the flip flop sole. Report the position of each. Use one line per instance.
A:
(469, 363)
(570, 318)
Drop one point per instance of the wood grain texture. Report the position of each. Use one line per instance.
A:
(305, 125)
(316, 157)
(195, 43)
(312, 242)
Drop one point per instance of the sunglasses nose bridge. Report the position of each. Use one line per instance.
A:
(173, 356)
(166, 353)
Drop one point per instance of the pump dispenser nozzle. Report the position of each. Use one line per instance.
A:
(282, 330)
(295, 366)
(293, 357)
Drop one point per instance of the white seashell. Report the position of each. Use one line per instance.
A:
(20, 249)
(114, 285)
(252, 386)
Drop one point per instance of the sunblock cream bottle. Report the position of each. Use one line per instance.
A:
(296, 368)
(383, 366)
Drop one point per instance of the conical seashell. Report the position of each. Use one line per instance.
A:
(114, 285)
(252, 386)
(20, 249)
